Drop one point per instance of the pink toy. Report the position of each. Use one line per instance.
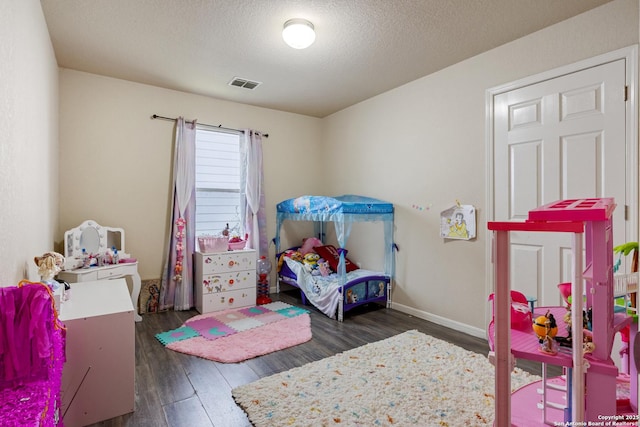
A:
(308, 244)
(520, 312)
(565, 291)
(589, 220)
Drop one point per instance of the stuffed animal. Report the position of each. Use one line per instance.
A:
(352, 297)
(311, 261)
(323, 267)
(308, 244)
(289, 253)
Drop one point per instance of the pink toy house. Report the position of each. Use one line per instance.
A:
(588, 390)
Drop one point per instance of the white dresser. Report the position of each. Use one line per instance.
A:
(225, 280)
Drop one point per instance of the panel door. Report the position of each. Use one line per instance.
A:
(563, 138)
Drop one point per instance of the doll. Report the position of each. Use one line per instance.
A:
(49, 264)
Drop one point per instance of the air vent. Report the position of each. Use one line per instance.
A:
(245, 83)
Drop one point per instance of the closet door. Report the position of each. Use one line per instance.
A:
(562, 138)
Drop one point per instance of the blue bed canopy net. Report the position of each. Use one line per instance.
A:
(343, 211)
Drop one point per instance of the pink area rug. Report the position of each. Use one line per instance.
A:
(245, 343)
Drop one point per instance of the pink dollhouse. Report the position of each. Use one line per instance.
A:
(586, 393)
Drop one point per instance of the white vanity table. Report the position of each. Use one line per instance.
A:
(97, 239)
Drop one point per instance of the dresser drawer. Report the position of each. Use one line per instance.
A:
(228, 281)
(109, 274)
(224, 262)
(225, 300)
(80, 275)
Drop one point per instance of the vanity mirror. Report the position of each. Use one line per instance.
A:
(87, 242)
(93, 238)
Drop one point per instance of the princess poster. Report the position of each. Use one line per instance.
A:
(458, 222)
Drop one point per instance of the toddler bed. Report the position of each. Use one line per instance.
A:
(347, 286)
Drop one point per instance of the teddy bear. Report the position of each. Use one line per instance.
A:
(308, 244)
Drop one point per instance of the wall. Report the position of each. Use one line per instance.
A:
(28, 140)
(116, 162)
(424, 144)
(420, 144)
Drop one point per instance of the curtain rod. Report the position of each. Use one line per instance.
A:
(155, 116)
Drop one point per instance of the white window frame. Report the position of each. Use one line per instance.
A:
(218, 178)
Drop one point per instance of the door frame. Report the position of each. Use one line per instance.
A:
(630, 55)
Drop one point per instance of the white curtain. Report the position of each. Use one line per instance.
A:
(176, 287)
(252, 178)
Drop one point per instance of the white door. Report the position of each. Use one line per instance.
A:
(562, 138)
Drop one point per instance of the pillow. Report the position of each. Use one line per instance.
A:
(308, 244)
(332, 256)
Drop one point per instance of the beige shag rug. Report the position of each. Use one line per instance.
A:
(411, 379)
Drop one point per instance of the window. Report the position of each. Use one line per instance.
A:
(217, 182)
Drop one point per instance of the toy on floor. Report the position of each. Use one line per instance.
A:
(264, 268)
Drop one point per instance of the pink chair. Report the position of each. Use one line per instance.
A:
(521, 317)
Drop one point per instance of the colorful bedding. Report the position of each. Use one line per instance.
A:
(325, 292)
(343, 212)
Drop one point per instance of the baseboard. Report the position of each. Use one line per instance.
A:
(442, 321)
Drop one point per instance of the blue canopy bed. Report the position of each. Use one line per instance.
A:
(344, 286)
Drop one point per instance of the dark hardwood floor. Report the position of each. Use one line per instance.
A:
(175, 389)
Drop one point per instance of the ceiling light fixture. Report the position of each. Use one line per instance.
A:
(298, 33)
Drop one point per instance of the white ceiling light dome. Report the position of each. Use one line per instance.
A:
(298, 33)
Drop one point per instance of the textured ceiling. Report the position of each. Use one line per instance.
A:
(362, 47)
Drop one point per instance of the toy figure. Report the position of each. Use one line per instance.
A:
(311, 261)
(352, 297)
(546, 328)
(153, 301)
(568, 340)
(549, 346)
(323, 266)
